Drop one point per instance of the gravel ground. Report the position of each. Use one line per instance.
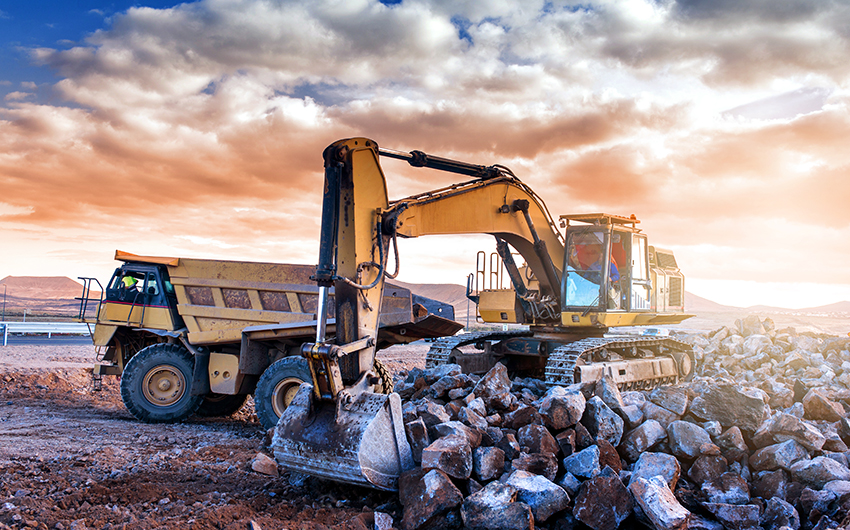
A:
(75, 459)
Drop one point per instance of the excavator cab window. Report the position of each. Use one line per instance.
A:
(587, 282)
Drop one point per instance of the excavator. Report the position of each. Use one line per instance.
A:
(575, 284)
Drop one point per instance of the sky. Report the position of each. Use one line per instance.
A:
(196, 129)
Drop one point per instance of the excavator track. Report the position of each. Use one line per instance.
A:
(562, 363)
(441, 349)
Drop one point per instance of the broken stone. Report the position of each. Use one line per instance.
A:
(603, 502)
(495, 508)
(602, 422)
(685, 439)
(495, 382)
(707, 468)
(450, 454)
(523, 415)
(583, 464)
(606, 390)
(735, 516)
(783, 427)
(263, 463)
(562, 410)
(782, 455)
(817, 472)
(449, 428)
(488, 463)
(544, 464)
(770, 484)
(658, 503)
(729, 488)
(641, 439)
(608, 456)
(657, 464)
(509, 445)
(426, 496)
(730, 405)
(671, 398)
(778, 514)
(469, 417)
(732, 444)
(651, 411)
(819, 407)
(417, 435)
(544, 497)
(632, 416)
(537, 439)
(567, 442)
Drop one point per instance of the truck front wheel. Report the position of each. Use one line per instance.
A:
(156, 384)
(277, 386)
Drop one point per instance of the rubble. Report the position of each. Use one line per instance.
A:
(758, 439)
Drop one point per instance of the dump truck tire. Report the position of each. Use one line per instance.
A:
(156, 384)
(277, 386)
(221, 405)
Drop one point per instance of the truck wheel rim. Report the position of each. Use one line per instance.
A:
(283, 393)
(164, 385)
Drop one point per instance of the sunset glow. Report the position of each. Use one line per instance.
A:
(197, 129)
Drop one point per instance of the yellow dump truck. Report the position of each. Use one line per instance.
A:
(198, 336)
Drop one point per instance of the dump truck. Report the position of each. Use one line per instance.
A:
(198, 336)
(582, 276)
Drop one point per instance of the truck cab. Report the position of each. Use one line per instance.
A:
(140, 295)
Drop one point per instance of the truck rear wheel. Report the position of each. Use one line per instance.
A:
(221, 405)
(277, 386)
(156, 384)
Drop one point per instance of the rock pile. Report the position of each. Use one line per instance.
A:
(757, 440)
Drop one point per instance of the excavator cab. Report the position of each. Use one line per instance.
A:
(594, 240)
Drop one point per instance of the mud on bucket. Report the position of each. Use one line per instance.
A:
(361, 442)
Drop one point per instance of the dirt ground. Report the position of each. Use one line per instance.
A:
(74, 459)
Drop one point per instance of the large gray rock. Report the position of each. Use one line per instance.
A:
(730, 405)
(778, 456)
(657, 464)
(603, 502)
(426, 496)
(783, 427)
(658, 503)
(537, 439)
(735, 516)
(602, 422)
(487, 463)
(686, 439)
(819, 407)
(707, 468)
(472, 434)
(651, 411)
(544, 497)
(417, 435)
(778, 514)
(583, 464)
(729, 488)
(817, 472)
(495, 508)
(450, 454)
(561, 410)
(606, 390)
(544, 464)
(674, 399)
(494, 383)
(639, 440)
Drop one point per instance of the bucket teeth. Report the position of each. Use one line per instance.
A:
(361, 442)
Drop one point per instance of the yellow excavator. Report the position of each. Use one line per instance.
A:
(573, 287)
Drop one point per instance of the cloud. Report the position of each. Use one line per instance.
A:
(200, 128)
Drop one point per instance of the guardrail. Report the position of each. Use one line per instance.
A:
(41, 328)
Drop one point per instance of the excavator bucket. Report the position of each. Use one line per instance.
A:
(361, 442)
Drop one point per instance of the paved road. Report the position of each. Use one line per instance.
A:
(42, 340)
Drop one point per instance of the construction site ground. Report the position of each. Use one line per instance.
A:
(74, 459)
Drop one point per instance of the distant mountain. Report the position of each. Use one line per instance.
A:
(41, 294)
(698, 304)
(838, 307)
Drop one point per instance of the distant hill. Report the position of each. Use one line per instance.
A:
(41, 294)
(698, 304)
